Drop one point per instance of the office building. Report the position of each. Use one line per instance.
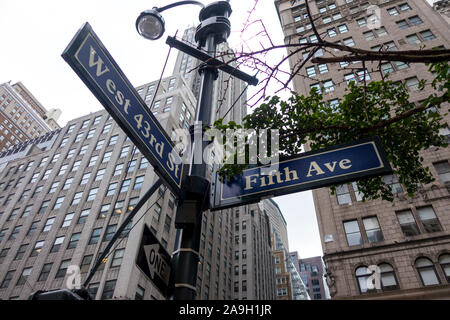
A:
(312, 272)
(22, 117)
(64, 195)
(408, 239)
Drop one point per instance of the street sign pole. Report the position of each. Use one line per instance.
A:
(189, 214)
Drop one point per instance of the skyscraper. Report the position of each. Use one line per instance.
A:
(64, 195)
(405, 242)
(22, 117)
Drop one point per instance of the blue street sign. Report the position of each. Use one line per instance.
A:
(304, 171)
(89, 58)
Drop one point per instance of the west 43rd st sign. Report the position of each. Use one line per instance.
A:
(309, 170)
(89, 58)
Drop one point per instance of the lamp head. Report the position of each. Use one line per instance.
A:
(150, 24)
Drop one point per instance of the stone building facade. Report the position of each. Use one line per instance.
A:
(407, 242)
(22, 117)
(64, 195)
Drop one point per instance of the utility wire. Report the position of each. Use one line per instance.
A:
(239, 97)
(118, 243)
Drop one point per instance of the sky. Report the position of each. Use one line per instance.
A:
(34, 34)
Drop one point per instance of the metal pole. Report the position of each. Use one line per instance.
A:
(133, 212)
(186, 256)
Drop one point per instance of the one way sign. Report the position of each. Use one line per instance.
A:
(154, 261)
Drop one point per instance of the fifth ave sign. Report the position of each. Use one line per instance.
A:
(305, 171)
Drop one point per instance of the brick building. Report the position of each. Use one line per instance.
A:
(22, 117)
(409, 239)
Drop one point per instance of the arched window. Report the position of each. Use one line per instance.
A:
(427, 272)
(444, 261)
(362, 273)
(388, 279)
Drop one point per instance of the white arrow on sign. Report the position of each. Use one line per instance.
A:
(156, 263)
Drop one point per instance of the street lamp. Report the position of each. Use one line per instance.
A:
(150, 23)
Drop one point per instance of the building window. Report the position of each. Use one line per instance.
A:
(67, 184)
(387, 68)
(85, 124)
(57, 244)
(415, 20)
(117, 258)
(113, 140)
(388, 279)
(444, 261)
(104, 211)
(323, 68)
(97, 120)
(331, 32)
(392, 181)
(413, 39)
(37, 248)
(140, 291)
(78, 137)
(373, 230)
(95, 236)
(67, 220)
(21, 252)
(143, 164)
(311, 71)
(83, 216)
(58, 203)
(85, 178)
(48, 224)
(404, 7)
(83, 149)
(402, 24)
(27, 211)
(107, 157)
(443, 170)
(33, 227)
(328, 85)
(349, 42)
(45, 272)
(118, 169)
(23, 277)
(85, 263)
(361, 22)
(407, 223)
(369, 35)
(109, 233)
(362, 274)
(343, 194)
(92, 289)
(429, 220)
(111, 189)
(125, 185)
(393, 11)
(93, 161)
(427, 272)
(106, 128)
(62, 269)
(353, 233)
(74, 240)
(138, 182)
(92, 194)
(124, 151)
(90, 134)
